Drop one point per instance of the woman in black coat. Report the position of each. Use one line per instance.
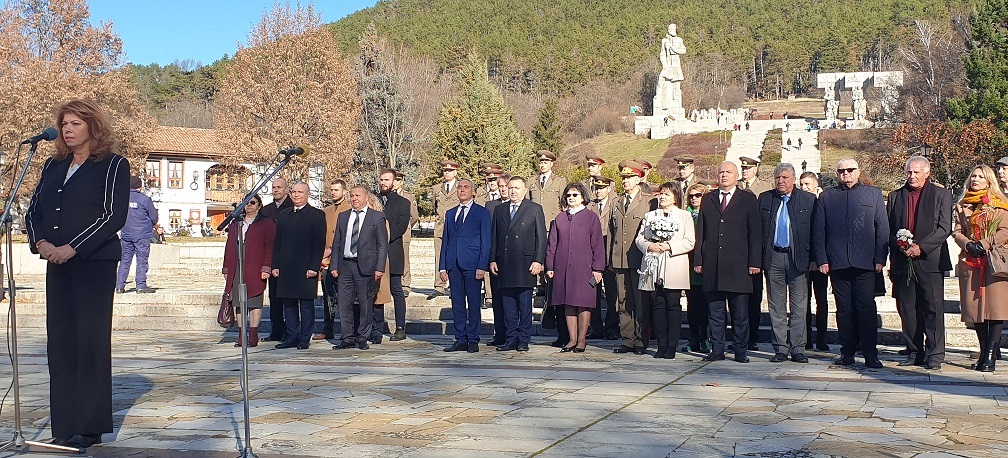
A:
(79, 205)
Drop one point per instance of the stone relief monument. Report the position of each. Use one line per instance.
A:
(668, 92)
(857, 83)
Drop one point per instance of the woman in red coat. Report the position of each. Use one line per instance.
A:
(575, 259)
(259, 233)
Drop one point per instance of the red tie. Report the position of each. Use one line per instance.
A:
(724, 201)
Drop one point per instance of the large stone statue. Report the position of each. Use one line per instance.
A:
(668, 93)
(832, 105)
(859, 106)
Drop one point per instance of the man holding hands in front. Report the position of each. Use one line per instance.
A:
(465, 255)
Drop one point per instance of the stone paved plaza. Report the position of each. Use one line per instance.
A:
(179, 391)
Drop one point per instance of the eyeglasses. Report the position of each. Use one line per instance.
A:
(848, 170)
(696, 195)
(573, 195)
(252, 202)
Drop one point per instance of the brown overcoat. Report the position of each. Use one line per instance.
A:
(993, 305)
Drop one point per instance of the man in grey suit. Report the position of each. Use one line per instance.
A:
(360, 247)
(787, 227)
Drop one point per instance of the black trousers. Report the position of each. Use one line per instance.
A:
(921, 306)
(697, 315)
(398, 301)
(719, 301)
(818, 284)
(496, 302)
(604, 317)
(329, 304)
(79, 298)
(857, 313)
(755, 307)
(278, 330)
(666, 318)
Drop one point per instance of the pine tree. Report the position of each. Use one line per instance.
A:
(479, 128)
(986, 68)
(546, 133)
(385, 137)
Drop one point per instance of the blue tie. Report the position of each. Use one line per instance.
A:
(514, 209)
(783, 237)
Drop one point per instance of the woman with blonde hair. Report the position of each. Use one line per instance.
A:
(981, 224)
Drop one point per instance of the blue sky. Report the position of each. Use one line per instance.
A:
(203, 30)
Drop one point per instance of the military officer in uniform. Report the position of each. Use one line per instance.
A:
(686, 177)
(646, 167)
(545, 190)
(594, 164)
(625, 258)
(602, 204)
(484, 195)
(751, 182)
(445, 197)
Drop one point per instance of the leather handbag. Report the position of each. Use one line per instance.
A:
(997, 258)
(226, 314)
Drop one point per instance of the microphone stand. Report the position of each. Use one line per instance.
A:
(19, 441)
(238, 215)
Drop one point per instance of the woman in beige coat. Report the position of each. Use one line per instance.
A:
(981, 222)
(666, 236)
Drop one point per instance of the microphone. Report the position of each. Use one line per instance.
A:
(49, 134)
(295, 151)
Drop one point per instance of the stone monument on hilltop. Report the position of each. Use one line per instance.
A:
(858, 82)
(668, 93)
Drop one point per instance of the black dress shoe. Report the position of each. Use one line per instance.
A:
(911, 361)
(118, 291)
(282, 345)
(623, 349)
(376, 339)
(669, 354)
(639, 351)
(566, 349)
(873, 363)
(435, 294)
(799, 358)
(753, 346)
(559, 343)
(822, 346)
(344, 346)
(362, 346)
(496, 342)
(809, 346)
(612, 337)
(597, 335)
(778, 358)
(507, 347)
(146, 290)
(932, 366)
(61, 441)
(844, 361)
(302, 347)
(473, 348)
(714, 357)
(83, 440)
(400, 334)
(457, 346)
(580, 349)
(742, 359)
(523, 347)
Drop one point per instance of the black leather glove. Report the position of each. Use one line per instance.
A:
(975, 249)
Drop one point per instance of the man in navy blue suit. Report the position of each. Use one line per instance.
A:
(465, 255)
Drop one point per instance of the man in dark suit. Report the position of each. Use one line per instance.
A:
(360, 251)
(850, 237)
(297, 258)
(926, 211)
(750, 181)
(729, 249)
(465, 255)
(397, 213)
(281, 201)
(517, 256)
(496, 302)
(787, 229)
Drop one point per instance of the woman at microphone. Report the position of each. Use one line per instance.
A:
(79, 205)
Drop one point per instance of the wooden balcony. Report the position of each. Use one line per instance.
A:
(228, 196)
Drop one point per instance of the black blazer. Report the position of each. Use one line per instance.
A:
(86, 212)
(933, 227)
(800, 208)
(728, 243)
(372, 242)
(297, 248)
(397, 212)
(516, 244)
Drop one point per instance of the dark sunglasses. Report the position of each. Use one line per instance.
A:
(848, 170)
(573, 195)
(696, 195)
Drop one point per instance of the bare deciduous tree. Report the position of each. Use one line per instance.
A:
(289, 86)
(934, 70)
(52, 54)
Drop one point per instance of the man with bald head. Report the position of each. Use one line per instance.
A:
(729, 249)
(297, 260)
(281, 201)
(850, 237)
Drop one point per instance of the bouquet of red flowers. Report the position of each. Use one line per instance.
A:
(905, 240)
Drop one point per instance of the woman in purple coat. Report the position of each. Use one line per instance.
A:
(259, 234)
(575, 259)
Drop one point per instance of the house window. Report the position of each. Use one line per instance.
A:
(175, 175)
(153, 170)
(175, 219)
